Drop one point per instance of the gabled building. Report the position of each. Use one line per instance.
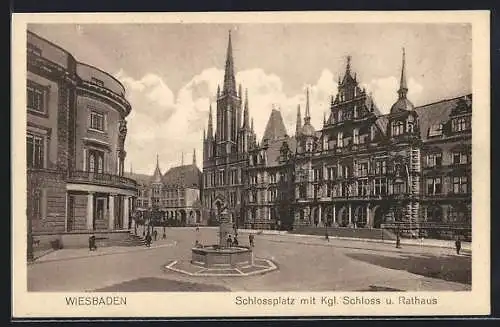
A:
(175, 194)
(361, 169)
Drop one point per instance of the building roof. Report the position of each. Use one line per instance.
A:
(186, 175)
(435, 113)
(274, 147)
(141, 179)
(402, 104)
(275, 127)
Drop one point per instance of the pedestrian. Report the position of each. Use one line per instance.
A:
(92, 245)
(235, 241)
(458, 244)
(197, 228)
(327, 237)
(250, 239)
(155, 234)
(148, 239)
(229, 241)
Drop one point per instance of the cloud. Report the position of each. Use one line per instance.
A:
(384, 91)
(170, 124)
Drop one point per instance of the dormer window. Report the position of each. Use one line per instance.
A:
(460, 124)
(372, 132)
(436, 130)
(398, 128)
(409, 127)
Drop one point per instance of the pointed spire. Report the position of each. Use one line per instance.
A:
(210, 125)
(245, 112)
(218, 91)
(229, 80)
(240, 92)
(204, 135)
(131, 171)
(299, 121)
(194, 157)
(307, 117)
(157, 173)
(403, 88)
(324, 118)
(251, 127)
(348, 66)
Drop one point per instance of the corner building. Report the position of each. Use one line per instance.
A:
(76, 130)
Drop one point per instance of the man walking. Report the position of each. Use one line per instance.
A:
(458, 244)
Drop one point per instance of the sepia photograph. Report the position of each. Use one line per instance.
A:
(240, 157)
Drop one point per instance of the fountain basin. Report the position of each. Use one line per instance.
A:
(214, 256)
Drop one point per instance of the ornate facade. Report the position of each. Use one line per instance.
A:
(410, 167)
(175, 194)
(76, 129)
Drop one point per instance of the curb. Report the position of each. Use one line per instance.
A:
(102, 254)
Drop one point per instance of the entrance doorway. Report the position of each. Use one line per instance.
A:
(378, 218)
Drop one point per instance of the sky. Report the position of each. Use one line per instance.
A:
(171, 71)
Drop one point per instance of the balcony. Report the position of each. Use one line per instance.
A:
(87, 177)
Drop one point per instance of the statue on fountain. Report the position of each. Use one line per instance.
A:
(225, 225)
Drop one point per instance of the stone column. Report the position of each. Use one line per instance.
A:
(334, 222)
(126, 200)
(350, 217)
(90, 211)
(368, 222)
(111, 211)
(319, 216)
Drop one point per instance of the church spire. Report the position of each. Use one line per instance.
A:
(307, 117)
(194, 157)
(299, 121)
(210, 125)
(348, 66)
(157, 173)
(229, 80)
(245, 112)
(403, 88)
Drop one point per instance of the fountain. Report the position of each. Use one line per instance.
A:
(222, 259)
(222, 255)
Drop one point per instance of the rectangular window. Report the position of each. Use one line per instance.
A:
(35, 151)
(340, 140)
(355, 136)
(460, 184)
(460, 124)
(434, 160)
(96, 121)
(363, 169)
(316, 175)
(99, 208)
(434, 186)
(35, 97)
(460, 158)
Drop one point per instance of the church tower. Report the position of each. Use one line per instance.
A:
(228, 109)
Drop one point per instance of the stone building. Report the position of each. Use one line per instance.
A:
(225, 149)
(175, 194)
(75, 136)
(410, 167)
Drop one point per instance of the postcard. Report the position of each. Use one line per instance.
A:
(251, 164)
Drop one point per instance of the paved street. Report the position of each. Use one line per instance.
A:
(305, 264)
